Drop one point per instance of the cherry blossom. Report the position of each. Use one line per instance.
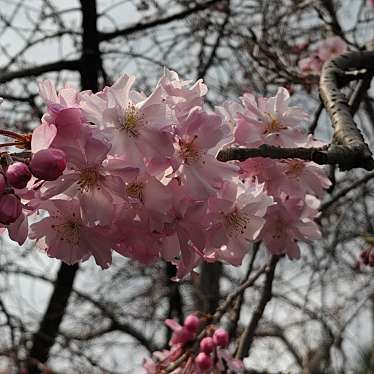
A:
(123, 171)
(65, 236)
(271, 121)
(322, 52)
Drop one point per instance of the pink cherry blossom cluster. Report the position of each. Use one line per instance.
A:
(294, 185)
(119, 170)
(193, 351)
(325, 50)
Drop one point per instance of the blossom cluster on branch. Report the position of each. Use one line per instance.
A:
(323, 51)
(119, 170)
(194, 349)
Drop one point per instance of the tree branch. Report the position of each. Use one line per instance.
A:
(248, 335)
(45, 337)
(7, 76)
(348, 141)
(141, 26)
(348, 148)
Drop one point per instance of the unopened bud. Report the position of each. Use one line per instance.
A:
(18, 174)
(221, 338)
(191, 323)
(207, 345)
(203, 361)
(48, 164)
(10, 208)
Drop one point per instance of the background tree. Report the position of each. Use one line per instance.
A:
(79, 319)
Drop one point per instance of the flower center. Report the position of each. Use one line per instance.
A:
(278, 230)
(88, 178)
(131, 121)
(68, 231)
(135, 190)
(294, 167)
(273, 125)
(189, 151)
(236, 222)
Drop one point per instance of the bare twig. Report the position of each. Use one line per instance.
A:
(248, 335)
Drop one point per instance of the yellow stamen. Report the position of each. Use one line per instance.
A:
(132, 121)
(68, 231)
(88, 178)
(135, 190)
(294, 167)
(273, 125)
(189, 150)
(236, 222)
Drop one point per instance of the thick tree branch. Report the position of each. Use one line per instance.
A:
(348, 141)
(45, 337)
(348, 149)
(207, 287)
(90, 54)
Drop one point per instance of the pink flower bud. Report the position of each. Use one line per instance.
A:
(18, 174)
(191, 323)
(2, 183)
(221, 338)
(48, 164)
(203, 361)
(182, 335)
(10, 208)
(207, 345)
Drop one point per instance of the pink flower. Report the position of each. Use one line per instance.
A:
(180, 95)
(135, 240)
(237, 219)
(290, 220)
(89, 179)
(331, 47)
(264, 170)
(198, 170)
(42, 137)
(181, 335)
(302, 177)
(18, 229)
(270, 121)
(64, 112)
(63, 235)
(139, 129)
(312, 64)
